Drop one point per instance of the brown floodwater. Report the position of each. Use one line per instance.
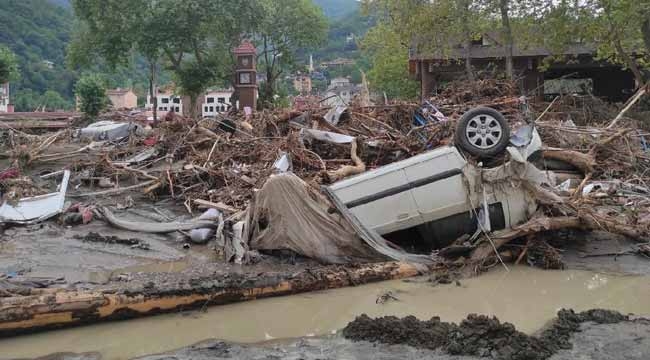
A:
(524, 296)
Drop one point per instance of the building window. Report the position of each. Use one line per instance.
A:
(210, 100)
(160, 108)
(164, 100)
(245, 78)
(205, 109)
(177, 100)
(221, 100)
(211, 108)
(228, 99)
(223, 108)
(178, 109)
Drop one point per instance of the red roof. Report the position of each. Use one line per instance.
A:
(245, 48)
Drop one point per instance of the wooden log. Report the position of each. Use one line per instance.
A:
(349, 170)
(535, 225)
(65, 308)
(582, 161)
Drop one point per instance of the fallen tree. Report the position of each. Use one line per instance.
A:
(43, 309)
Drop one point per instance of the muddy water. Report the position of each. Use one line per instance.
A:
(526, 297)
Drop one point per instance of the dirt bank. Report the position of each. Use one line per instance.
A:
(595, 340)
(478, 335)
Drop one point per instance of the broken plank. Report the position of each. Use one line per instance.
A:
(219, 206)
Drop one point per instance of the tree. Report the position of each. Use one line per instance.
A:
(504, 9)
(91, 92)
(285, 27)
(190, 38)
(8, 65)
(52, 100)
(615, 28)
(389, 64)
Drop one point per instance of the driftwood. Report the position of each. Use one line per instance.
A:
(115, 191)
(583, 162)
(65, 308)
(639, 94)
(349, 170)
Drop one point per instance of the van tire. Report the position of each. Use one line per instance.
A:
(491, 135)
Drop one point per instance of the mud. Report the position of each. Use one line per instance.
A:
(111, 239)
(629, 340)
(525, 297)
(478, 335)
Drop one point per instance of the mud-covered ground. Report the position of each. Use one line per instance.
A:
(96, 254)
(594, 335)
(478, 335)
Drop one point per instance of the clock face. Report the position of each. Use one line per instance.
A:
(245, 61)
(245, 78)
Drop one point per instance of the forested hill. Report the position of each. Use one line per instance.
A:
(336, 9)
(38, 31)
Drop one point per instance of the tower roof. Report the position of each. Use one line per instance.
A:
(246, 47)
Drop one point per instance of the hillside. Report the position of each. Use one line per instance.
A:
(64, 3)
(336, 9)
(38, 32)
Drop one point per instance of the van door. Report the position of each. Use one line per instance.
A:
(438, 187)
(381, 201)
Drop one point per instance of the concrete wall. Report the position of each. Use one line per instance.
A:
(126, 100)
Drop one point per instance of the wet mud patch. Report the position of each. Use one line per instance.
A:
(477, 335)
(94, 237)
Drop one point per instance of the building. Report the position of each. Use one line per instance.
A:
(122, 98)
(167, 101)
(340, 62)
(5, 105)
(217, 101)
(605, 80)
(340, 92)
(246, 75)
(48, 64)
(302, 84)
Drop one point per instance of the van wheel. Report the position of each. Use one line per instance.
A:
(483, 132)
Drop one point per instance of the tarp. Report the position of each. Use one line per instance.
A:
(287, 214)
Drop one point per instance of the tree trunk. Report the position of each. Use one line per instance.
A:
(193, 99)
(630, 62)
(42, 309)
(152, 92)
(645, 30)
(507, 37)
(270, 91)
(465, 5)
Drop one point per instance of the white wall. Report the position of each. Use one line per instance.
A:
(4, 97)
(166, 103)
(216, 102)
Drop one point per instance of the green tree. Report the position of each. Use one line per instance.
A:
(389, 64)
(8, 65)
(91, 92)
(189, 38)
(616, 28)
(53, 101)
(285, 27)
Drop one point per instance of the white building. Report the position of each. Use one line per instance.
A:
(340, 92)
(217, 101)
(167, 101)
(4, 98)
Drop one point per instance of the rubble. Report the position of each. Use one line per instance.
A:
(220, 163)
(588, 176)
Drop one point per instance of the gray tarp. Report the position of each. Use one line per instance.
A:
(287, 214)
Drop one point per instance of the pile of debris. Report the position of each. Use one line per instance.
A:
(600, 182)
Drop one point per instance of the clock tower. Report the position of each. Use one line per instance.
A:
(246, 75)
